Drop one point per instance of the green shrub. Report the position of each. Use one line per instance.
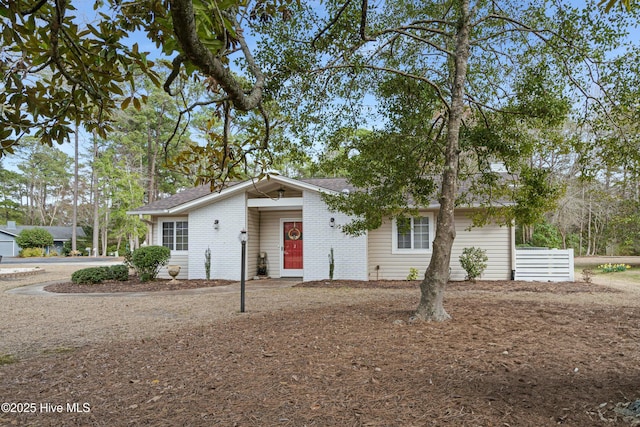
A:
(66, 248)
(207, 263)
(93, 275)
(34, 238)
(413, 274)
(90, 276)
(148, 260)
(119, 272)
(474, 262)
(128, 255)
(31, 252)
(332, 264)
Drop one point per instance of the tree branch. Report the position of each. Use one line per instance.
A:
(175, 72)
(330, 24)
(435, 86)
(184, 25)
(36, 7)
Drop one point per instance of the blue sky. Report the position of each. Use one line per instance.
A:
(86, 14)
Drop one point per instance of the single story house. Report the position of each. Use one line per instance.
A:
(8, 233)
(291, 231)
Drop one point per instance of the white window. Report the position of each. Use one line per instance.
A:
(412, 234)
(175, 235)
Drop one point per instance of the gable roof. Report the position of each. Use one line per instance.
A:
(202, 194)
(197, 196)
(59, 233)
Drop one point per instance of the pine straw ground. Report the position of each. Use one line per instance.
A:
(511, 356)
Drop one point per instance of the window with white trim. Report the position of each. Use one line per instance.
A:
(175, 235)
(412, 234)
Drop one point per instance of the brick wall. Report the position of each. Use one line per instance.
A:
(350, 253)
(224, 241)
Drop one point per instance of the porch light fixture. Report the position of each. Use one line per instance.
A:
(243, 242)
(332, 222)
(280, 193)
(216, 224)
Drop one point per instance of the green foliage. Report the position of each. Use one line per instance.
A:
(66, 248)
(413, 274)
(128, 259)
(546, 235)
(87, 70)
(474, 261)
(535, 195)
(118, 272)
(34, 238)
(93, 275)
(613, 268)
(332, 264)
(89, 276)
(148, 260)
(31, 252)
(207, 263)
(609, 4)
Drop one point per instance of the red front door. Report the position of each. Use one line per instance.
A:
(292, 238)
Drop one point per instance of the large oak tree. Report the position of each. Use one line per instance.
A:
(446, 87)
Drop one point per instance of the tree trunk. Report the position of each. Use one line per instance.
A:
(105, 232)
(152, 154)
(432, 288)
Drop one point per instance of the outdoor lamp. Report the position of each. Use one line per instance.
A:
(332, 222)
(216, 224)
(243, 241)
(280, 193)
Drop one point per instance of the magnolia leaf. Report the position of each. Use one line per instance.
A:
(125, 103)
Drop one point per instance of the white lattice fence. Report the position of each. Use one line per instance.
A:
(545, 265)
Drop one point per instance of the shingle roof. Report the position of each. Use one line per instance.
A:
(176, 200)
(59, 233)
(191, 194)
(332, 184)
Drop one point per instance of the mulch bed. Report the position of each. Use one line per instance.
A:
(496, 363)
(480, 285)
(135, 285)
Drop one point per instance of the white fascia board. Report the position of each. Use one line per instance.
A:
(153, 213)
(284, 203)
(210, 198)
(242, 187)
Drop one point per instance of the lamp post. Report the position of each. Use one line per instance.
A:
(243, 241)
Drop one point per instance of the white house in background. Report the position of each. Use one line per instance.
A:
(287, 221)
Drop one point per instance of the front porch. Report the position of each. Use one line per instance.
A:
(276, 232)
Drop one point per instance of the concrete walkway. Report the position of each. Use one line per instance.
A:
(250, 286)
